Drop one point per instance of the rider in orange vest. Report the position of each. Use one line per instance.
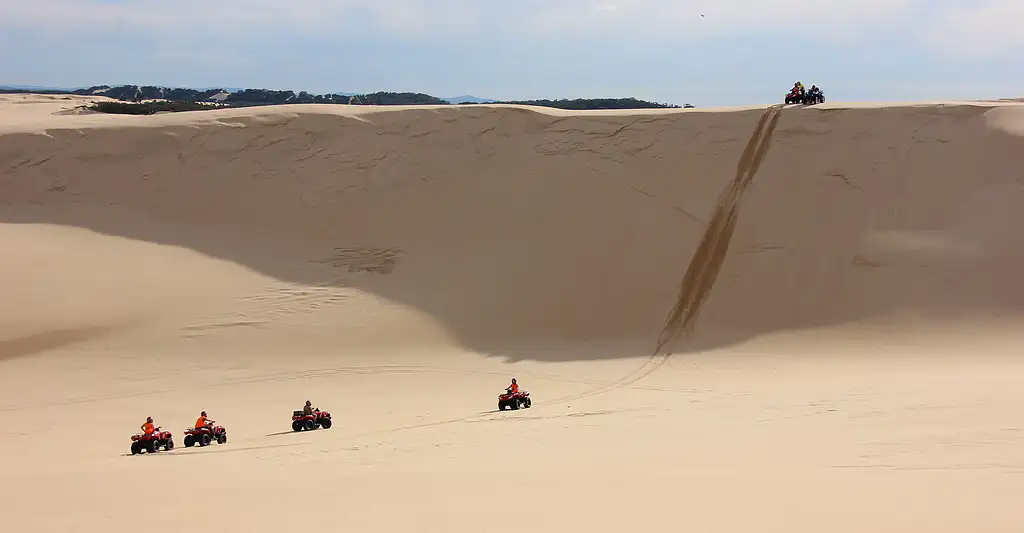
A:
(148, 427)
(514, 387)
(203, 422)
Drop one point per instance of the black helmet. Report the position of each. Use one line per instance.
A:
(203, 413)
(149, 419)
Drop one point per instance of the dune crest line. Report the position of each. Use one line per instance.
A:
(707, 260)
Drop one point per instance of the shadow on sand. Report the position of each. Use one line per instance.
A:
(517, 244)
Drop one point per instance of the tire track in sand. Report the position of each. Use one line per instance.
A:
(707, 260)
(697, 281)
(696, 284)
(694, 288)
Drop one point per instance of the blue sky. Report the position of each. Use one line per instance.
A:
(739, 52)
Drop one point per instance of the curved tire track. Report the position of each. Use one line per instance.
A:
(707, 260)
(695, 286)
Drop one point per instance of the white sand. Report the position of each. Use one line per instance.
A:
(856, 366)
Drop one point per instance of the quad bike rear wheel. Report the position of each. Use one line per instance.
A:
(297, 426)
(136, 448)
(151, 446)
(189, 441)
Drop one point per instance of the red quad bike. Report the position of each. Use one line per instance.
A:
(205, 436)
(514, 400)
(310, 422)
(152, 443)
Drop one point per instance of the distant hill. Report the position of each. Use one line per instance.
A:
(466, 99)
(212, 98)
(8, 88)
(251, 97)
(595, 103)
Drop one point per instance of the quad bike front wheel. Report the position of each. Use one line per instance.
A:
(309, 425)
(170, 445)
(204, 440)
(222, 438)
(326, 423)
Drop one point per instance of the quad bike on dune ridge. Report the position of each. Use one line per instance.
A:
(514, 400)
(811, 97)
(152, 442)
(794, 97)
(319, 419)
(205, 436)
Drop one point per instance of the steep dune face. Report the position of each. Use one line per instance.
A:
(510, 227)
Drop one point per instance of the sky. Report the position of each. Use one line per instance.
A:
(699, 52)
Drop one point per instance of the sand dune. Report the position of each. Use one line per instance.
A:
(836, 290)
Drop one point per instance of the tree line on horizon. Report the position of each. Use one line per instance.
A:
(134, 99)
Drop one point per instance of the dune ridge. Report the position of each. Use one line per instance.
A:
(461, 213)
(756, 319)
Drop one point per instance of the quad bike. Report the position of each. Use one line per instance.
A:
(205, 436)
(152, 442)
(514, 400)
(814, 97)
(794, 97)
(318, 419)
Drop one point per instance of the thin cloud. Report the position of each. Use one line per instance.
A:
(978, 27)
(716, 16)
(151, 14)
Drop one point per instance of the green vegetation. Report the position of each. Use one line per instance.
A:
(138, 100)
(149, 108)
(397, 99)
(596, 103)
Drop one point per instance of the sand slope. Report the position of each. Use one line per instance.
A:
(848, 276)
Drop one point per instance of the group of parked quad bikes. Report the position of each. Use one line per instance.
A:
(797, 95)
(205, 432)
